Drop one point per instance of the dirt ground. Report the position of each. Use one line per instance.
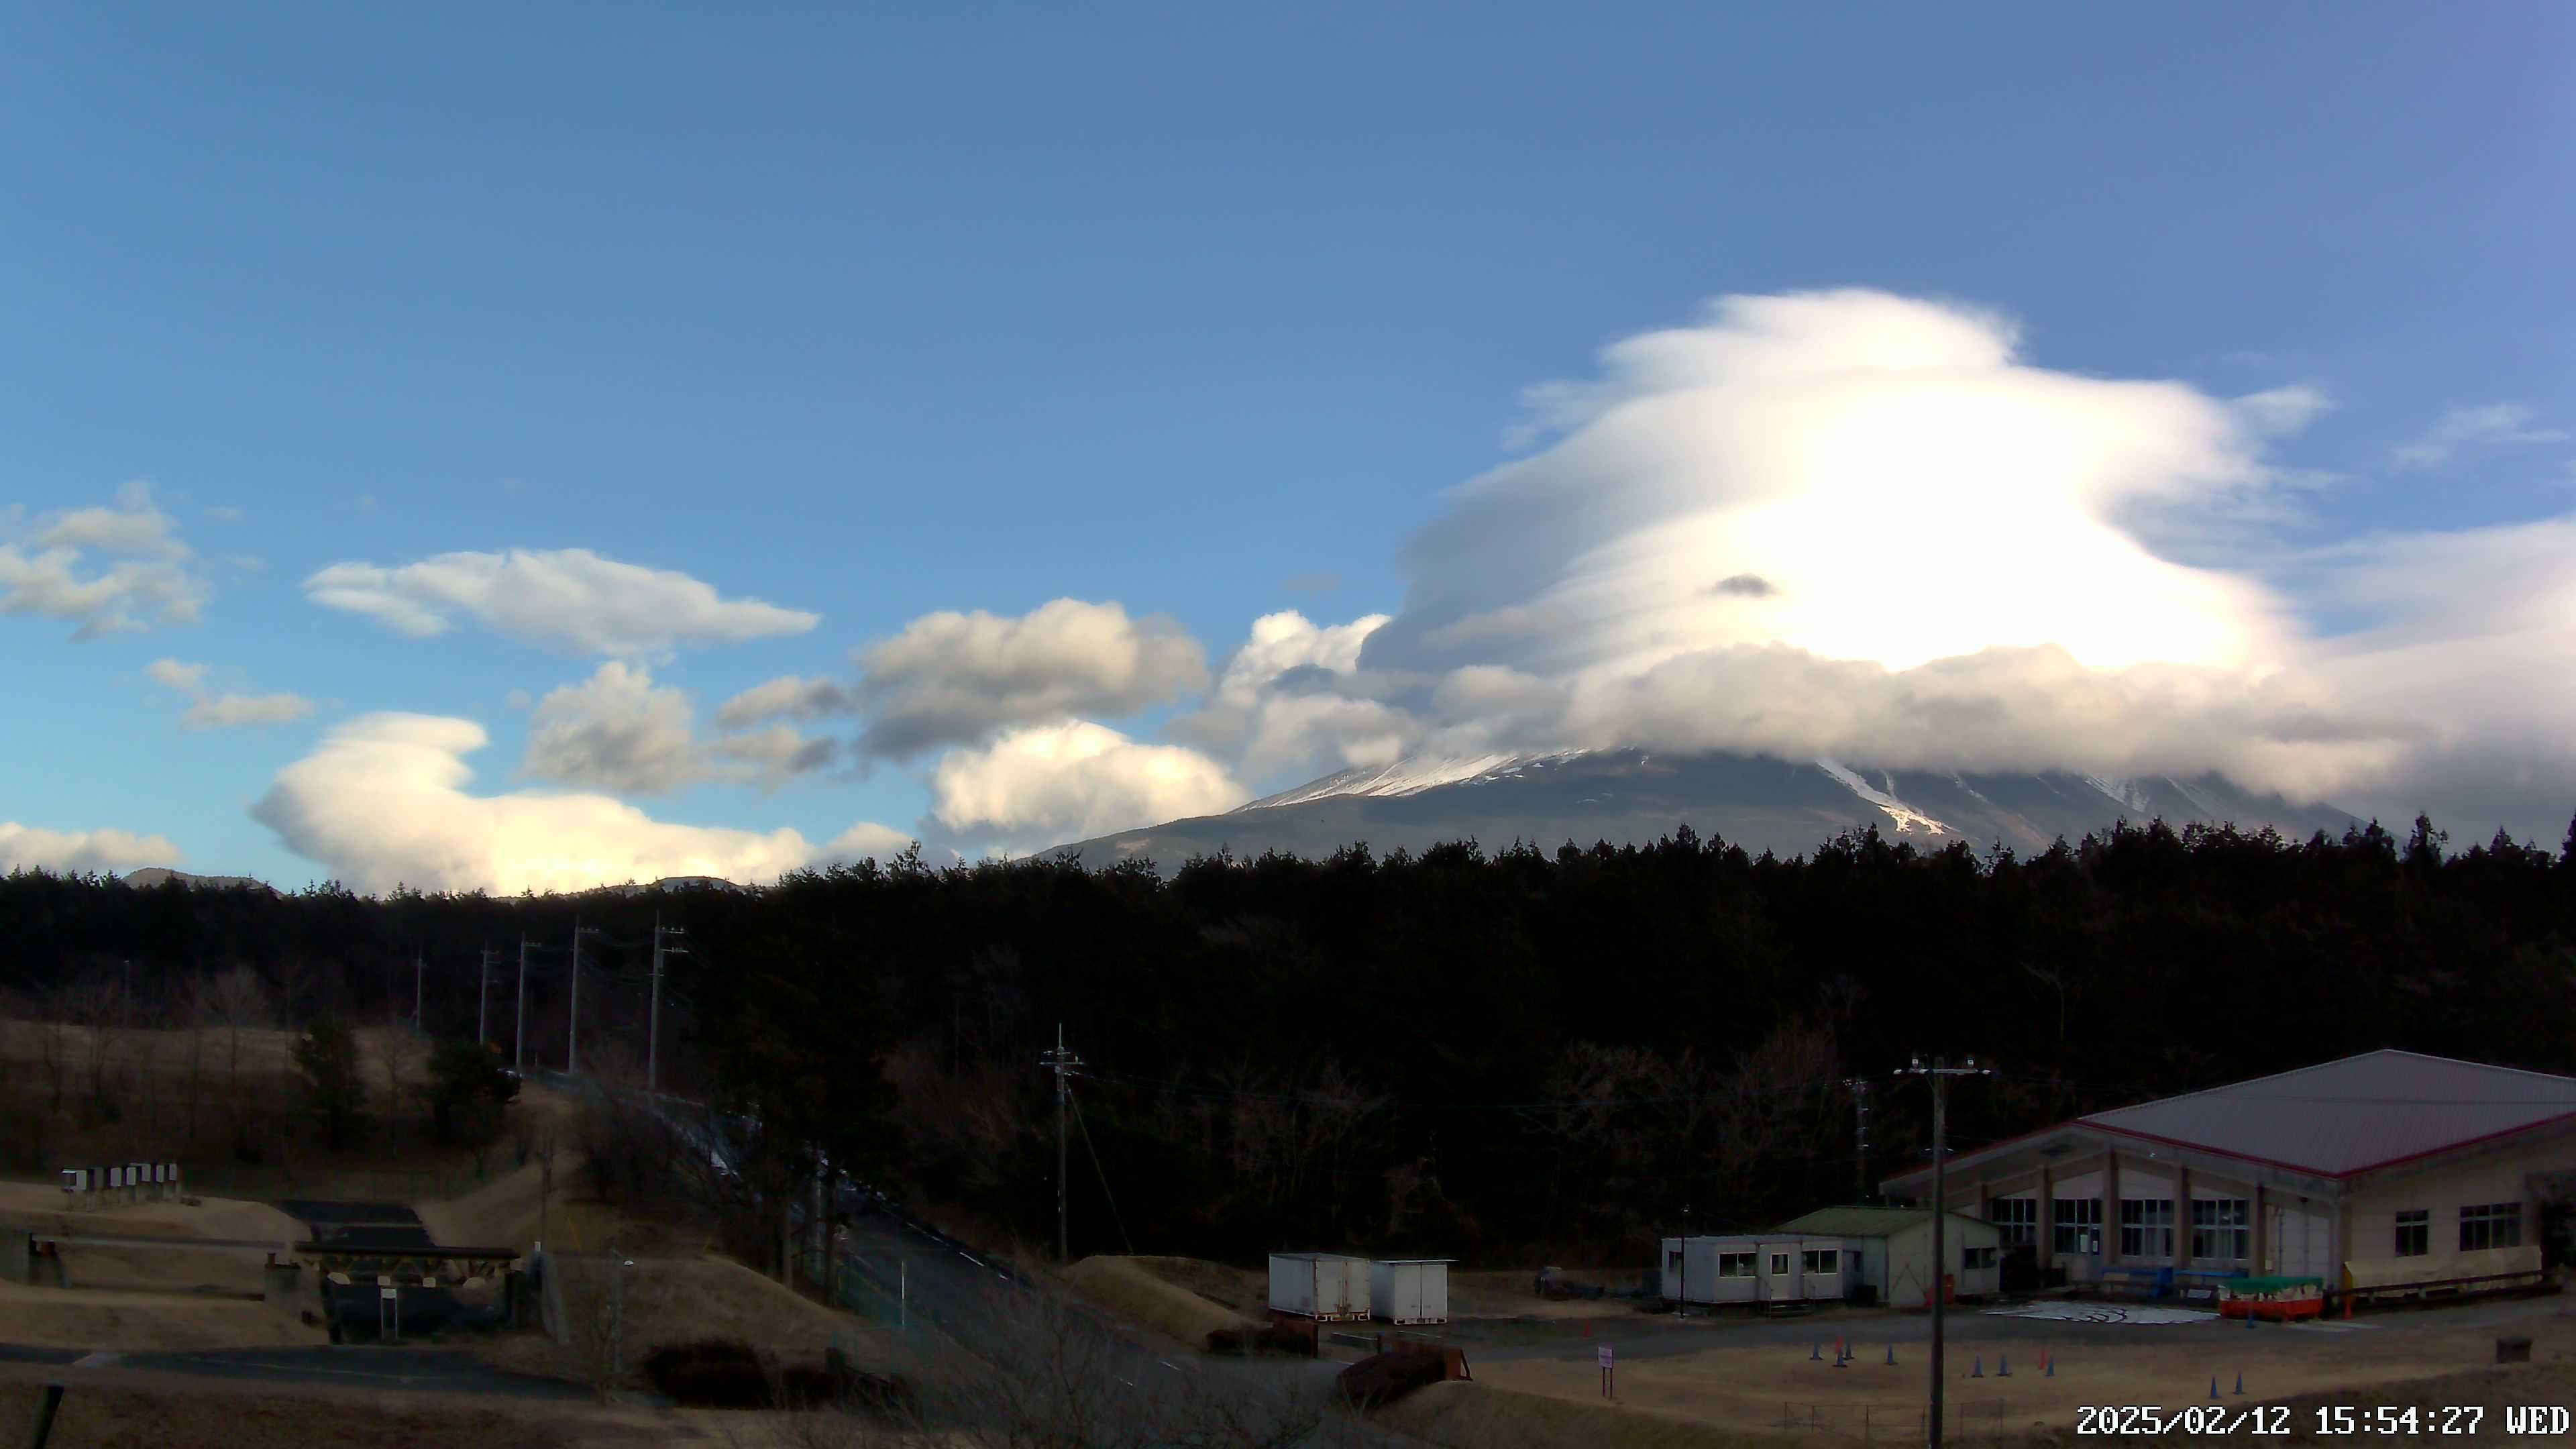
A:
(1758, 1389)
(670, 1301)
(110, 1409)
(1508, 1293)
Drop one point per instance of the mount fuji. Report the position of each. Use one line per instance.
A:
(1788, 807)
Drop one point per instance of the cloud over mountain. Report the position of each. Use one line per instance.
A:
(617, 731)
(567, 599)
(24, 847)
(382, 800)
(1043, 783)
(953, 679)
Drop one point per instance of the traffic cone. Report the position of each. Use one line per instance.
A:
(2240, 1381)
(1816, 1354)
(2048, 1367)
(1891, 1355)
(2003, 1366)
(1980, 1368)
(2213, 1386)
(1587, 1328)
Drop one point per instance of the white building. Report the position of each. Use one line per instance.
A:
(1782, 1267)
(1888, 1252)
(2388, 1168)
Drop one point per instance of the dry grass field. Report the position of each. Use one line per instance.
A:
(1759, 1390)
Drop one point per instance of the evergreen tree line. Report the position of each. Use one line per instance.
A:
(1498, 1056)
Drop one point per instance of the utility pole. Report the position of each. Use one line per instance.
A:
(653, 1031)
(483, 1001)
(1063, 1062)
(1860, 1150)
(1940, 1072)
(1682, 1308)
(572, 1032)
(519, 1033)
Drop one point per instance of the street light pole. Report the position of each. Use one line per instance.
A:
(1940, 1072)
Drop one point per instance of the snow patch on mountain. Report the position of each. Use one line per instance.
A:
(2132, 793)
(1906, 816)
(1411, 776)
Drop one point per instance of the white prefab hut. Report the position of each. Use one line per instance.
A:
(1327, 1287)
(1888, 1252)
(1784, 1267)
(1410, 1290)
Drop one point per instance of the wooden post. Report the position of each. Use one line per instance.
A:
(43, 1427)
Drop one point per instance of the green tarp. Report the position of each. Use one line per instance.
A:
(2258, 1287)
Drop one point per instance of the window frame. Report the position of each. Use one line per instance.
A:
(2222, 1223)
(2495, 1224)
(2077, 1233)
(2414, 1225)
(2149, 1232)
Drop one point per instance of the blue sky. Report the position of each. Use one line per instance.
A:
(1205, 314)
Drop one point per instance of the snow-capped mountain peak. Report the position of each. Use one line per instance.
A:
(1411, 775)
(1906, 816)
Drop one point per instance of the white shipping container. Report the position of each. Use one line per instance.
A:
(1410, 1290)
(1329, 1287)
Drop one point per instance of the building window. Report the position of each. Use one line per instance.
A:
(2414, 1233)
(2078, 1225)
(1735, 1265)
(2146, 1227)
(1779, 1265)
(1821, 1260)
(2495, 1225)
(2222, 1228)
(1673, 1263)
(1976, 1257)
(2017, 1218)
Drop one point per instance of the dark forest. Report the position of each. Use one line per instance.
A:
(1494, 1056)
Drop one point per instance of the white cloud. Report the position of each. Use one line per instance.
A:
(1291, 697)
(382, 801)
(208, 710)
(2281, 411)
(570, 599)
(1046, 784)
(952, 678)
(186, 678)
(24, 847)
(1855, 524)
(224, 711)
(46, 571)
(2464, 431)
(616, 731)
(787, 697)
(863, 841)
(224, 513)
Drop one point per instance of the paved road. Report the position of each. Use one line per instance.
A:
(1637, 1335)
(444, 1371)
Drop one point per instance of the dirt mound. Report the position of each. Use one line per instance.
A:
(1245, 1290)
(671, 1301)
(503, 1213)
(1140, 1296)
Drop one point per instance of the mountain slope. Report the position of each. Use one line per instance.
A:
(1630, 796)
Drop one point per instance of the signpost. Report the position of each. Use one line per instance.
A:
(1603, 1353)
